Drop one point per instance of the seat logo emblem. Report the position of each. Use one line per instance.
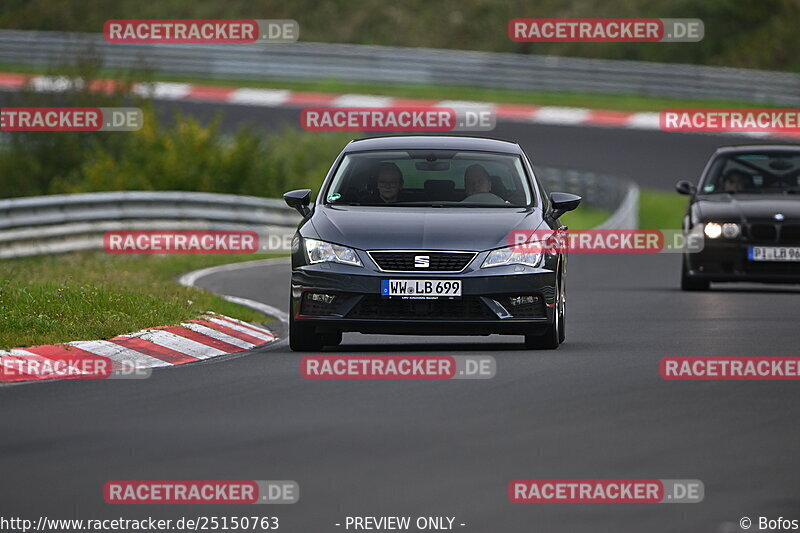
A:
(422, 261)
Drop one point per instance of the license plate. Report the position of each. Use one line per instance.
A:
(421, 288)
(774, 253)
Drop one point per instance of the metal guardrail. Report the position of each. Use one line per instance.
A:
(619, 197)
(70, 222)
(316, 61)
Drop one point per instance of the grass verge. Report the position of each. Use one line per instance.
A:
(94, 295)
(661, 210)
(584, 218)
(618, 102)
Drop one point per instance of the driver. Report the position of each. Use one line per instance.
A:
(734, 181)
(389, 183)
(478, 185)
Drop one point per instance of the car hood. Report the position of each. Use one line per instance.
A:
(743, 207)
(422, 228)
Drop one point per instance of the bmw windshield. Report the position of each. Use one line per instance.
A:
(750, 173)
(430, 178)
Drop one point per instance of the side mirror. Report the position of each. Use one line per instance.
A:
(299, 199)
(563, 202)
(685, 187)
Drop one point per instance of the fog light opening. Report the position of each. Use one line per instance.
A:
(523, 300)
(320, 297)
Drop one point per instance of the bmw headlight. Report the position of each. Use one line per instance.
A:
(513, 255)
(712, 230)
(321, 251)
(729, 230)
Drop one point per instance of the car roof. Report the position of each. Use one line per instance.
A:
(746, 148)
(432, 142)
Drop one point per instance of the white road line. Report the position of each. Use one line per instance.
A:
(266, 309)
(244, 324)
(242, 329)
(190, 279)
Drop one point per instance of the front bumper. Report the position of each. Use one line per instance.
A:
(728, 261)
(484, 307)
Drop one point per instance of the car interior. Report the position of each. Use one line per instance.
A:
(425, 183)
(757, 174)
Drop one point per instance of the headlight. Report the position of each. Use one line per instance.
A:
(512, 255)
(321, 251)
(731, 230)
(712, 230)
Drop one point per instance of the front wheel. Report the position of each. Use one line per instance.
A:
(303, 338)
(562, 319)
(692, 284)
(555, 330)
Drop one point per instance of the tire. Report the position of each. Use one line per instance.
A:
(333, 338)
(303, 338)
(551, 338)
(562, 322)
(690, 284)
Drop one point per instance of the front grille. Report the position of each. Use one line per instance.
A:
(415, 261)
(377, 307)
(763, 232)
(790, 234)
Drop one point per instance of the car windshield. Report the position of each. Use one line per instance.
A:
(752, 173)
(426, 178)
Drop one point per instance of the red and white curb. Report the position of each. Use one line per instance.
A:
(210, 335)
(562, 116)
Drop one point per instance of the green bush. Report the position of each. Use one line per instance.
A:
(30, 162)
(168, 154)
(188, 156)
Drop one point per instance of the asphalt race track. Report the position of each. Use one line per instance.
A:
(595, 408)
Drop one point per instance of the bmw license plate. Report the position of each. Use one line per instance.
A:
(421, 288)
(774, 253)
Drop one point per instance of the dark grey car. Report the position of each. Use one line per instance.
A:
(411, 235)
(747, 205)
